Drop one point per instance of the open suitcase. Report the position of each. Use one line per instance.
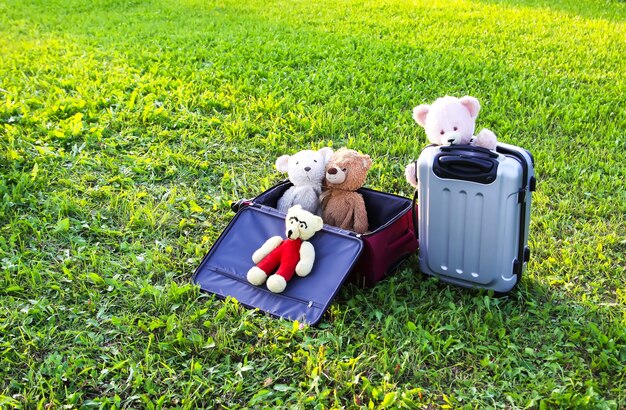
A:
(340, 254)
(474, 213)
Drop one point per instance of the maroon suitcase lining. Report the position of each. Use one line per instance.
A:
(391, 239)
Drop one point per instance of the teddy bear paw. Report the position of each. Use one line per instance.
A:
(486, 139)
(256, 276)
(409, 173)
(276, 283)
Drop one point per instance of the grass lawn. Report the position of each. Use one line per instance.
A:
(127, 128)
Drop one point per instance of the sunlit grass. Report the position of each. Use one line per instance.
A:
(127, 128)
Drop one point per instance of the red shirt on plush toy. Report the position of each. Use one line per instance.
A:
(293, 254)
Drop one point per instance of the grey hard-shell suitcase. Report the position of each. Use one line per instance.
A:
(474, 213)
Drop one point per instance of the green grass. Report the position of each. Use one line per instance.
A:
(128, 127)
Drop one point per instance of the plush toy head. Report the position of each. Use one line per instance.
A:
(301, 224)
(305, 167)
(347, 169)
(449, 120)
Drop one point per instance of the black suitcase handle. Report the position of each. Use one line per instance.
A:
(467, 150)
(467, 163)
(462, 168)
(472, 165)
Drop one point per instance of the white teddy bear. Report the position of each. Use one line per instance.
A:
(306, 170)
(450, 121)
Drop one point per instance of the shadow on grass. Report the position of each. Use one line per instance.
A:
(534, 344)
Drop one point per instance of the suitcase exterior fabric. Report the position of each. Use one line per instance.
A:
(392, 240)
(474, 214)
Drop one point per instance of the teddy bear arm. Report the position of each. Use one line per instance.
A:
(355, 214)
(308, 198)
(287, 200)
(486, 139)
(307, 257)
(347, 220)
(327, 209)
(305, 196)
(332, 208)
(269, 245)
(360, 215)
(410, 175)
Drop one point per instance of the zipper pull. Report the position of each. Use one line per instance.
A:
(237, 205)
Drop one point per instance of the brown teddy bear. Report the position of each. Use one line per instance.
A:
(342, 206)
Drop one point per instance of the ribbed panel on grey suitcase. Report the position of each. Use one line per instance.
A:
(474, 212)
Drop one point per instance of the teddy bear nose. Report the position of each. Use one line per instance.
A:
(307, 169)
(332, 171)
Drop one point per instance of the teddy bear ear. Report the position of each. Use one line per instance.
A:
(319, 223)
(471, 104)
(282, 163)
(367, 161)
(420, 112)
(326, 152)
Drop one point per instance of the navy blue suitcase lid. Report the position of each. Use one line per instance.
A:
(223, 270)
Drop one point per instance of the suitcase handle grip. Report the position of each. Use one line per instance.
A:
(468, 150)
(475, 165)
(466, 167)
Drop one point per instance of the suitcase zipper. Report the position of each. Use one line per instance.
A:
(528, 185)
(308, 303)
